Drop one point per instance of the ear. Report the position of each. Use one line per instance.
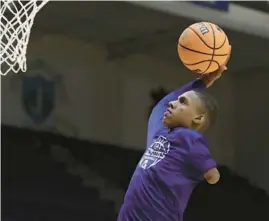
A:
(199, 119)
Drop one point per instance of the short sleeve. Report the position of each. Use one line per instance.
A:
(201, 157)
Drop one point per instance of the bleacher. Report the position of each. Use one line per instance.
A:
(35, 187)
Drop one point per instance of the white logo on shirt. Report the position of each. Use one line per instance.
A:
(155, 152)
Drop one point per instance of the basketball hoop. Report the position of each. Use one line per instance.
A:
(16, 20)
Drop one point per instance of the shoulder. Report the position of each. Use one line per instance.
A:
(186, 134)
(187, 138)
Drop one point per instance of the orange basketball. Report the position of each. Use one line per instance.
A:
(203, 47)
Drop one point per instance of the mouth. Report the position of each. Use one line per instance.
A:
(167, 113)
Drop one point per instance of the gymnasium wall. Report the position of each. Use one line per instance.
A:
(100, 99)
(107, 100)
(251, 156)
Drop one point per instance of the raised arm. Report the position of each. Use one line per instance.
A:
(205, 81)
(193, 85)
(155, 120)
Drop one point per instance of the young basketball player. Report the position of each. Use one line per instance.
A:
(177, 155)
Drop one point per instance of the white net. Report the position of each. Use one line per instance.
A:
(16, 20)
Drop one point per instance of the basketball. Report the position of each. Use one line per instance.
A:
(203, 47)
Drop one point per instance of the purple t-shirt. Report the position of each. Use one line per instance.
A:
(172, 165)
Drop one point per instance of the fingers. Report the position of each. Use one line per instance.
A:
(210, 78)
(229, 56)
(219, 72)
(224, 67)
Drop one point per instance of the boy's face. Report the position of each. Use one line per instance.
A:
(185, 111)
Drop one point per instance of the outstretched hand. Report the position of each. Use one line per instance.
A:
(210, 78)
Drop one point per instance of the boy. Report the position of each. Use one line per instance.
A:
(177, 155)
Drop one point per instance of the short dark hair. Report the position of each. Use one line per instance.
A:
(209, 106)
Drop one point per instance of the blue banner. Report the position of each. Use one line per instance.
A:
(218, 5)
(38, 95)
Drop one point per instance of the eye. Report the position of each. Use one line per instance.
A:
(183, 100)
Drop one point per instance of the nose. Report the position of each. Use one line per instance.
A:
(171, 105)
